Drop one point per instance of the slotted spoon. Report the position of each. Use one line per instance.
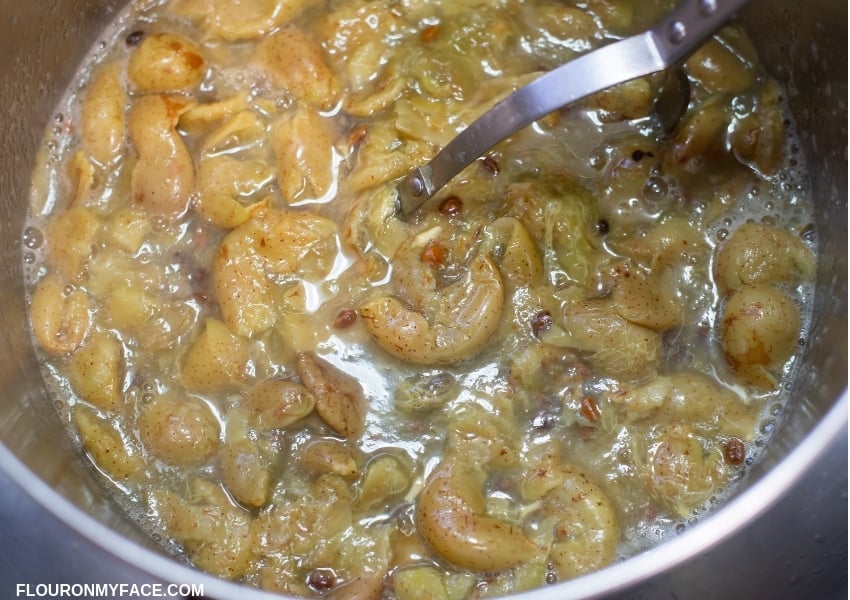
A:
(663, 47)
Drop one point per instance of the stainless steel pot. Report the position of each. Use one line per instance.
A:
(803, 44)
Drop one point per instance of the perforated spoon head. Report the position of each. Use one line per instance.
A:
(672, 100)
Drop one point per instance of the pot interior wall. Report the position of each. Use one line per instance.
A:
(805, 46)
(34, 74)
(43, 43)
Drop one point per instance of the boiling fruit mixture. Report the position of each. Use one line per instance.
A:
(570, 353)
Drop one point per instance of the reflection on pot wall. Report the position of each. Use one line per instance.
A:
(34, 74)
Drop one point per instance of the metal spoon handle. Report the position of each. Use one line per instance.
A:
(669, 42)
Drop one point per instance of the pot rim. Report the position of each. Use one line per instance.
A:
(734, 515)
